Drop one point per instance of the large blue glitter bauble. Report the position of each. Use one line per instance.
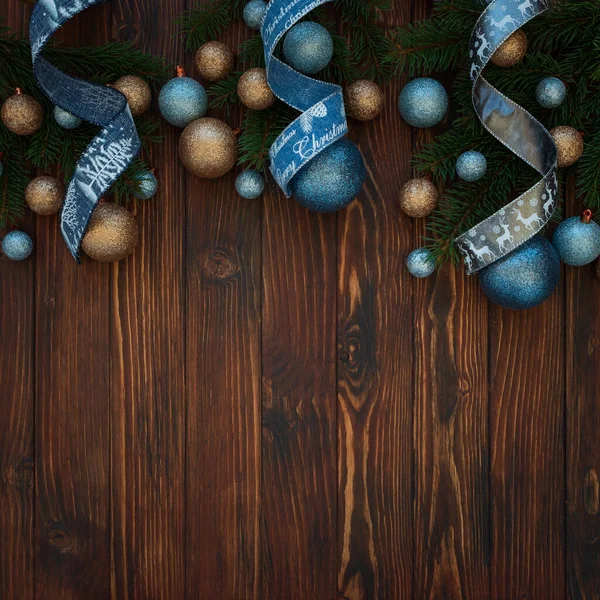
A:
(525, 277)
(551, 92)
(147, 185)
(576, 242)
(17, 245)
(423, 102)
(332, 179)
(249, 184)
(182, 100)
(308, 47)
(471, 166)
(420, 263)
(254, 12)
(66, 119)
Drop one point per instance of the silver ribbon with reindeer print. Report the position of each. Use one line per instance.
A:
(524, 217)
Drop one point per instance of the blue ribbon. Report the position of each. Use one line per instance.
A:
(109, 153)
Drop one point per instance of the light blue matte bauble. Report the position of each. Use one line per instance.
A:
(308, 47)
(17, 245)
(182, 100)
(331, 180)
(250, 184)
(525, 277)
(551, 92)
(471, 166)
(66, 119)
(147, 186)
(423, 102)
(577, 242)
(420, 263)
(254, 12)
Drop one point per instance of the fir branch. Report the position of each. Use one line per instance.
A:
(224, 93)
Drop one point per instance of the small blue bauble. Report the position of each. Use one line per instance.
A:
(308, 47)
(423, 102)
(249, 184)
(525, 277)
(66, 119)
(17, 245)
(471, 166)
(577, 242)
(182, 100)
(551, 92)
(420, 263)
(147, 185)
(332, 179)
(254, 12)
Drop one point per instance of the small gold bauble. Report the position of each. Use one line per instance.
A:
(137, 92)
(214, 61)
(22, 114)
(208, 148)
(254, 91)
(364, 100)
(418, 197)
(511, 51)
(44, 195)
(569, 143)
(112, 233)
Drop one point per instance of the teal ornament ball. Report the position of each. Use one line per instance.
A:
(550, 92)
(308, 47)
(331, 180)
(250, 184)
(577, 241)
(254, 13)
(423, 102)
(420, 263)
(147, 185)
(182, 100)
(471, 166)
(525, 277)
(17, 245)
(66, 119)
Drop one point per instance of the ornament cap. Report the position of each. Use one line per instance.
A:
(180, 71)
(586, 217)
(18, 91)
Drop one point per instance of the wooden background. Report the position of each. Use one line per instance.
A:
(262, 404)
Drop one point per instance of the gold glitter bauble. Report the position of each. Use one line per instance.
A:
(22, 114)
(208, 148)
(418, 197)
(44, 195)
(214, 61)
(511, 51)
(254, 91)
(569, 143)
(137, 92)
(112, 233)
(364, 100)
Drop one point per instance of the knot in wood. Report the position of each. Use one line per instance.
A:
(59, 538)
(220, 264)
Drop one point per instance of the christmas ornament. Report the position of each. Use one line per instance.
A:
(147, 185)
(182, 100)
(525, 277)
(17, 245)
(208, 148)
(254, 12)
(577, 240)
(419, 198)
(44, 195)
(214, 61)
(421, 263)
(569, 143)
(22, 114)
(250, 184)
(137, 92)
(471, 166)
(253, 89)
(550, 92)
(511, 51)
(66, 119)
(364, 100)
(112, 233)
(332, 179)
(308, 47)
(423, 102)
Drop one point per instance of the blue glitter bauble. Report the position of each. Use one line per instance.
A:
(308, 47)
(576, 242)
(551, 92)
(66, 119)
(423, 102)
(332, 179)
(147, 185)
(420, 263)
(182, 100)
(525, 277)
(17, 245)
(471, 166)
(254, 12)
(250, 184)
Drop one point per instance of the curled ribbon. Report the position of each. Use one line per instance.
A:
(112, 150)
(512, 125)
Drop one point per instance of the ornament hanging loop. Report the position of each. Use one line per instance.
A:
(586, 217)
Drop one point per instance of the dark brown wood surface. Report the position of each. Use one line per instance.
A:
(262, 404)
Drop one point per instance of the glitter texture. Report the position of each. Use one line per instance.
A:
(137, 92)
(254, 13)
(569, 143)
(576, 242)
(249, 184)
(308, 47)
(471, 166)
(254, 91)
(22, 114)
(182, 100)
(364, 100)
(511, 51)
(214, 61)
(420, 263)
(44, 195)
(17, 245)
(147, 185)
(423, 102)
(66, 119)
(551, 92)
(418, 198)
